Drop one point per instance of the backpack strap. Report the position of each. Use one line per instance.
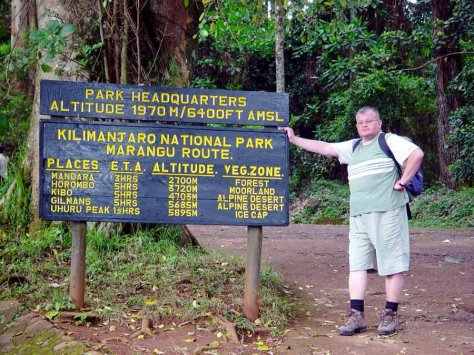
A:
(386, 149)
(356, 144)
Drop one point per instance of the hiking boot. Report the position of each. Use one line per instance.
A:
(388, 322)
(355, 324)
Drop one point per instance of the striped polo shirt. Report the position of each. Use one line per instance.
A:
(372, 176)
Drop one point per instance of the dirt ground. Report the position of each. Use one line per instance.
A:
(437, 309)
(436, 312)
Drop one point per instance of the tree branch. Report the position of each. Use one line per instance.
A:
(435, 59)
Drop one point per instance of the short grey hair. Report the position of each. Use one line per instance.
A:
(366, 109)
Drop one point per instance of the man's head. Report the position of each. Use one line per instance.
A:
(368, 123)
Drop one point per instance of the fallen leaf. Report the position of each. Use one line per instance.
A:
(51, 314)
(189, 340)
(158, 352)
(151, 301)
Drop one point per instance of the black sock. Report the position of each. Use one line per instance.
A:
(391, 305)
(358, 305)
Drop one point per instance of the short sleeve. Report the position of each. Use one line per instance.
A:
(400, 147)
(344, 150)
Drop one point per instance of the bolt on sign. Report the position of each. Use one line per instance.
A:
(162, 173)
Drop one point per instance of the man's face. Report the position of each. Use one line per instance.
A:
(368, 126)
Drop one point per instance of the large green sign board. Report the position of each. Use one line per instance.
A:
(163, 174)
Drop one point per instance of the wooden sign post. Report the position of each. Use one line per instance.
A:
(161, 173)
(252, 273)
(78, 264)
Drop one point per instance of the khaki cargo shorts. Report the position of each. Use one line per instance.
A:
(380, 240)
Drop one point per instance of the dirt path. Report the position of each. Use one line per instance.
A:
(437, 310)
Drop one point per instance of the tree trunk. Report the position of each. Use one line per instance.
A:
(447, 68)
(279, 46)
(68, 70)
(174, 25)
(24, 19)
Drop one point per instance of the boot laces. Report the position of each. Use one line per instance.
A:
(387, 317)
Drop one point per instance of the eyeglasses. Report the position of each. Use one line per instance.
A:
(361, 123)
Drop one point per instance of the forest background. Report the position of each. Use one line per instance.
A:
(414, 61)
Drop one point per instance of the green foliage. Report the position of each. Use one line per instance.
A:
(243, 26)
(305, 167)
(86, 55)
(50, 41)
(44, 44)
(236, 40)
(442, 207)
(15, 106)
(462, 135)
(414, 101)
(325, 202)
(462, 120)
(14, 213)
(148, 273)
(15, 109)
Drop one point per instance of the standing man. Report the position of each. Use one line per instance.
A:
(3, 165)
(378, 233)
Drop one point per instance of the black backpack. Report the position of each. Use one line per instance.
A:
(415, 187)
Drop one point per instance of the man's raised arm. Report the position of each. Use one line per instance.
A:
(311, 145)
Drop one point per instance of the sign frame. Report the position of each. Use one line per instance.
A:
(208, 189)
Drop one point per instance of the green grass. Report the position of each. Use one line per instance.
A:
(442, 207)
(436, 207)
(324, 202)
(146, 273)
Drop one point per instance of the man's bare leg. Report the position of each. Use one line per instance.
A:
(393, 287)
(357, 287)
(393, 290)
(357, 284)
